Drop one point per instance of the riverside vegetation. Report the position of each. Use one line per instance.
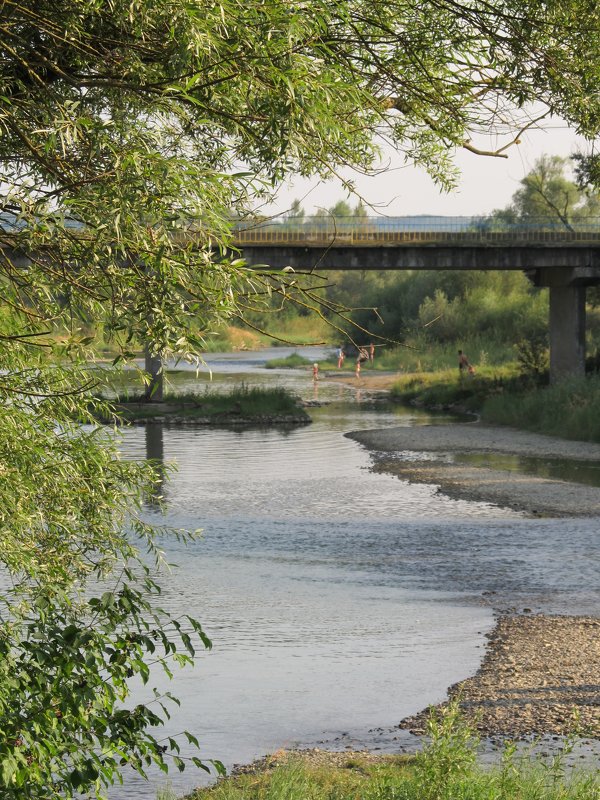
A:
(503, 396)
(445, 769)
(124, 126)
(240, 405)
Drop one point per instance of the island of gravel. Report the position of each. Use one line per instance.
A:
(539, 672)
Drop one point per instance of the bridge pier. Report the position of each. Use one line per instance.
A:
(567, 321)
(567, 332)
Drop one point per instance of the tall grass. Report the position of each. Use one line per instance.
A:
(292, 361)
(570, 409)
(446, 769)
(448, 388)
(242, 400)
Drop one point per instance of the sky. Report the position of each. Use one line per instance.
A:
(486, 183)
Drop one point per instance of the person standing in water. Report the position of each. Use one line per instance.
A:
(363, 355)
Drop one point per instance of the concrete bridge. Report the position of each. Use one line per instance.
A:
(564, 259)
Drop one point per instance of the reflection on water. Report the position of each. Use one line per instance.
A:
(338, 600)
(585, 472)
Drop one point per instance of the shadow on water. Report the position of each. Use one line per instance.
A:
(155, 454)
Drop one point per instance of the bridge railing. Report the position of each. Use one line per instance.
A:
(373, 231)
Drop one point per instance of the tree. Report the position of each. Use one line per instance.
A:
(296, 211)
(548, 198)
(132, 132)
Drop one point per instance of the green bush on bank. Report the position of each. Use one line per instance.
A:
(446, 769)
(293, 361)
(570, 409)
(506, 397)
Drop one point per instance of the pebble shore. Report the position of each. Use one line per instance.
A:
(540, 675)
(539, 672)
(421, 454)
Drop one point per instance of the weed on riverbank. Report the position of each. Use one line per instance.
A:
(570, 409)
(446, 769)
(241, 402)
(293, 361)
(446, 389)
(502, 396)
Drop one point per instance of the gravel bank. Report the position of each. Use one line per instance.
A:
(422, 454)
(537, 669)
(537, 672)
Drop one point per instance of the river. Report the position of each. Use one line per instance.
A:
(338, 600)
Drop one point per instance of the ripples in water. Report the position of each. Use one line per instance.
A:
(337, 599)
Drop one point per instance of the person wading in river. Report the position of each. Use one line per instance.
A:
(363, 355)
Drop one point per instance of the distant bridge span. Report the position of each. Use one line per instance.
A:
(564, 260)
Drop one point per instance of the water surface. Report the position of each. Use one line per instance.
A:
(338, 600)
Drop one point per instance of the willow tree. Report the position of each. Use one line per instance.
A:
(131, 132)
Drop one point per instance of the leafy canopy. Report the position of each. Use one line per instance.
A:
(131, 132)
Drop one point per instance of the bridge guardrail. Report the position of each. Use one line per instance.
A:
(398, 231)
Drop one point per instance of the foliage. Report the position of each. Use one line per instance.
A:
(569, 410)
(446, 388)
(449, 755)
(533, 356)
(442, 307)
(289, 362)
(132, 132)
(506, 396)
(548, 197)
(77, 616)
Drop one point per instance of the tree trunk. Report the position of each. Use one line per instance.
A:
(154, 368)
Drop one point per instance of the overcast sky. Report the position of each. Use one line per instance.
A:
(486, 183)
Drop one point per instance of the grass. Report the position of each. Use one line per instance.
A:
(422, 355)
(447, 388)
(302, 330)
(504, 396)
(241, 402)
(570, 409)
(446, 769)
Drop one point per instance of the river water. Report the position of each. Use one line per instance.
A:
(339, 601)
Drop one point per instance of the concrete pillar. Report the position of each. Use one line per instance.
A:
(567, 332)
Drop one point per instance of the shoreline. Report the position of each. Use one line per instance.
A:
(537, 669)
(426, 454)
(539, 676)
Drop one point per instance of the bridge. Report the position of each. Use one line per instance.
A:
(563, 258)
